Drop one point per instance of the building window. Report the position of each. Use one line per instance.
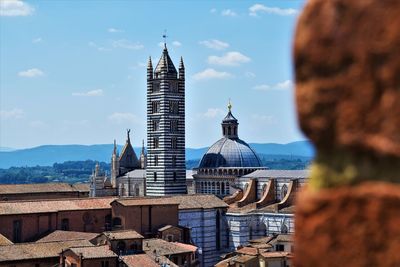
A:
(117, 222)
(17, 229)
(105, 264)
(279, 247)
(121, 247)
(155, 176)
(173, 161)
(174, 126)
(156, 125)
(174, 175)
(156, 87)
(174, 107)
(173, 86)
(107, 222)
(174, 143)
(156, 143)
(155, 107)
(155, 160)
(284, 191)
(65, 224)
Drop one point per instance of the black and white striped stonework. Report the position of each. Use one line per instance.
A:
(165, 172)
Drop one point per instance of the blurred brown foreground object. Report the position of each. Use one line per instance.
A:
(347, 64)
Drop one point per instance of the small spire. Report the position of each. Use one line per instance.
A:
(229, 105)
(115, 147)
(165, 39)
(128, 131)
(181, 65)
(149, 63)
(142, 146)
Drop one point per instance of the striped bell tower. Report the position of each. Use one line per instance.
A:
(165, 172)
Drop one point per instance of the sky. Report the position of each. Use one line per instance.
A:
(74, 72)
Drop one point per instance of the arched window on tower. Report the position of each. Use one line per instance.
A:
(229, 130)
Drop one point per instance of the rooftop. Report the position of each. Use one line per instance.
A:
(94, 252)
(4, 241)
(8, 189)
(278, 174)
(160, 247)
(139, 260)
(59, 235)
(122, 234)
(196, 201)
(24, 251)
(54, 205)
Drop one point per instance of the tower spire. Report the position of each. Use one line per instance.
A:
(115, 148)
(229, 105)
(165, 39)
(128, 139)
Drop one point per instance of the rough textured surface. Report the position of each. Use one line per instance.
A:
(348, 75)
(349, 226)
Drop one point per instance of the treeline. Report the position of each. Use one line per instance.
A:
(80, 171)
(69, 171)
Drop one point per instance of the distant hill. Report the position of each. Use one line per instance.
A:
(47, 155)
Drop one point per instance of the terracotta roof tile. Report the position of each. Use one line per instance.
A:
(94, 252)
(59, 235)
(4, 241)
(248, 251)
(122, 234)
(276, 254)
(41, 188)
(54, 205)
(196, 201)
(139, 260)
(161, 247)
(23, 251)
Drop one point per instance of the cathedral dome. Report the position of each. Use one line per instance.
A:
(228, 152)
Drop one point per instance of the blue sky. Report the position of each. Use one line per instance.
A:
(73, 72)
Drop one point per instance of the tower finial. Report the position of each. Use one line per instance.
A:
(165, 39)
(128, 131)
(229, 105)
(115, 147)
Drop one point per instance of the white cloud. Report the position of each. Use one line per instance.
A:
(250, 74)
(12, 8)
(209, 73)
(228, 13)
(114, 30)
(213, 10)
(176, 43)
(256, 9)
(37, 40)
(229, 59)
(99, 48)
(15, 113)
(285, 85)
(127, 44)
(124, 118)
(212, 113)
(214, 44)
(97, 92)
(31, 73)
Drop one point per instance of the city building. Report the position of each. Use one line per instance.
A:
(225, 161)
(165, 170)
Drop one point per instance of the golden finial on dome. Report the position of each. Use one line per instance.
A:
(229, 105)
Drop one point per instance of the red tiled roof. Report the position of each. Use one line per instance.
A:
(163, 248)
(54, 205)
(94, 252)
(6, 189)
(122, 234)
(276, 254)
(4, 241)
(248, 251)
(139, 260)
(24, 251)
(146, 201)
(59, 235)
